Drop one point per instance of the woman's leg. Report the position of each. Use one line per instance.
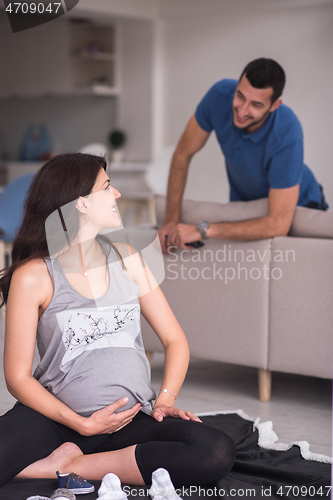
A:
(69, 458)
(122, 462)
(25, 437)
(58, 460)
(33, 446)
(193, 453)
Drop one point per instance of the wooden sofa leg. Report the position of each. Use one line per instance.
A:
(265, 378)
(150, 355)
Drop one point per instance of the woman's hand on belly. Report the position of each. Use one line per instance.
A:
(159, 412)
(106, 421)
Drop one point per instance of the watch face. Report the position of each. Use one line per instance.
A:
(202, 228)
(204, 225)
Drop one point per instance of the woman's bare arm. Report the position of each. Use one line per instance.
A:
(156, 310)
(29, 291)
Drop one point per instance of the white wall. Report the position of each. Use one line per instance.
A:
(206, 40)
(174, 50)
(141, 9)
(136, 98)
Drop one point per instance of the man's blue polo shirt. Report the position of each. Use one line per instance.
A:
(270, 157)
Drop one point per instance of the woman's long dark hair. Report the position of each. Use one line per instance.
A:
(61, 180)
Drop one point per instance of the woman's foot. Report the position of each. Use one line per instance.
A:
(60, 459)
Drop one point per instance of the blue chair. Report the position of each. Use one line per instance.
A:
(11, 211)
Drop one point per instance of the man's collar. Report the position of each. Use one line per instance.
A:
(259, 134)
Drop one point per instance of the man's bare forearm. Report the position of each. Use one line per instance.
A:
(192, 140)
(176, 186)
(282, 204)
(252, 229)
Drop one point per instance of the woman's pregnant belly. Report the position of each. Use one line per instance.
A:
(100, 377)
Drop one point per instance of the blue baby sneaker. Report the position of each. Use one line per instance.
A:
(74, 483)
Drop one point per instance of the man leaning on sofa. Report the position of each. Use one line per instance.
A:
(262, 142)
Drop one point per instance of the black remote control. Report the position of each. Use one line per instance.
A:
(195, 244)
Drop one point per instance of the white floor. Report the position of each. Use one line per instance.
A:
(300, 408)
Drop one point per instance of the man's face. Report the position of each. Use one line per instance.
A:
(252, 106)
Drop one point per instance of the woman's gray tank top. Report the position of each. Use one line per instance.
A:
(92, 352)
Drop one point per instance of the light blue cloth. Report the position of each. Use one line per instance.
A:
(270, 157)
(11, 206)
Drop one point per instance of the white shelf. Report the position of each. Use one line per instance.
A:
(99, 56)
(93, 59)
(102, 92)
(96, 90)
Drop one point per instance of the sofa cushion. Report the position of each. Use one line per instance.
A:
(196, 211)
(300, 307)
(307, 222)
(208, 290)
(310, 223)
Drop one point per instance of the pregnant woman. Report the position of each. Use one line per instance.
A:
(89, 406)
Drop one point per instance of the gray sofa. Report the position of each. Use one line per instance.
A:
(265, 304)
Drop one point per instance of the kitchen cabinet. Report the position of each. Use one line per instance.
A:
(15, 169)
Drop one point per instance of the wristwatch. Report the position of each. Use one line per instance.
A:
(202, 228)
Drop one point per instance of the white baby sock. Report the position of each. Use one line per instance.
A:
(162, 487)
(110, 488)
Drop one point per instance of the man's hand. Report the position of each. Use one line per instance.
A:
(160, 412)
(167, 234)
(177, 235)
(106, 421)
(186, 233)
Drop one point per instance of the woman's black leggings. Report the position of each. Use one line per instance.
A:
(193, 453)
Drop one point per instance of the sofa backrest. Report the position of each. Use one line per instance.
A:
(307, 222)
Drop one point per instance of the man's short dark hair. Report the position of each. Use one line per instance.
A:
(264, 73)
